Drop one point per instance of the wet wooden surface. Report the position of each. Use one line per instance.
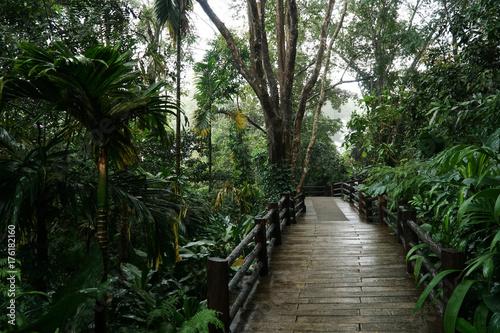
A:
(336, 273)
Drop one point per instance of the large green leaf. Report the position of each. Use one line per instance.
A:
(430, 286)
(492, 301)
(454, 305)
(494, 324)
(464, 326)
(57, 315)
(481, 318)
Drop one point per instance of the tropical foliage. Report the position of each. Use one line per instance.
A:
(115, 212)
(435, 142)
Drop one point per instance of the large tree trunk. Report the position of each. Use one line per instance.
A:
(275, 94)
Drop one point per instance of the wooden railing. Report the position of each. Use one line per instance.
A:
(332, 190)
(403, 223)
(227, 296)
(361, 201)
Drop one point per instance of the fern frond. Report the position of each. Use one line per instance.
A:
(199, 322)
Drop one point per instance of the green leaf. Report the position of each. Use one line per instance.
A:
(481, 317)
(488, 267)
(477, 262)
(495, 241)
(58, 314)
(494, 325)
(430, 286)
(426, 227)
(412, 250)
(454, 305)
(496, 211)
(464, 326)
(492, 301)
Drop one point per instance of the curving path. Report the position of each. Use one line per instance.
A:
(336, 273)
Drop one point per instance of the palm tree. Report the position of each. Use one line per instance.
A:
(99, 91)
(173, 13)
(213, 85)
(36, 186)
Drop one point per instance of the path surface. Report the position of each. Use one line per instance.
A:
(335, 273)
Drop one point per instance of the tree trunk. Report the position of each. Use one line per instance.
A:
(304, 95)
(178, 106)
(320, 103)
(209, 139)
(102, 232)
(275, 99)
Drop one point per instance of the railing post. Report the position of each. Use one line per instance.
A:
(451, 259)
(351, 192)
(361, 203)
(399, 224)
(275, 220)
(260, 237)
(327, 191)
(409, 235)
(291, 207)
(218, 292)
(342, 189)
(382, 203)
(369, 209)
(303, 200)
(285, 200)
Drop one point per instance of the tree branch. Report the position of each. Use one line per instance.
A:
(299, 115)
(256, 125)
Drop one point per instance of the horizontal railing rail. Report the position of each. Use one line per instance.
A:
(227, 295)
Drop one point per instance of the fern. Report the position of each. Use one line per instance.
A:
(165, 313)
(199, 322)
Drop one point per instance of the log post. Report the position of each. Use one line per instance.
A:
(260, 237)
(286, 200)
(382, 215)
(351, 192)
(342, 189)
(369, 209)
(399, 222)
(291, 207)
(275, 220)
(361, 203)
(327, 190)
(218, 291)
(409, 235)
(451, 259)
(303, 200)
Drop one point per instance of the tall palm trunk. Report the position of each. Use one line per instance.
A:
(102, 231)
(178, 105)
(102, 208)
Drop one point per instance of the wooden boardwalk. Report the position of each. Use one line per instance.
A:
(336, 273)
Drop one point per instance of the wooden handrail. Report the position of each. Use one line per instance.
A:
(266, 234)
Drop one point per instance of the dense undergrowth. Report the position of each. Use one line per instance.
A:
(457, 198)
